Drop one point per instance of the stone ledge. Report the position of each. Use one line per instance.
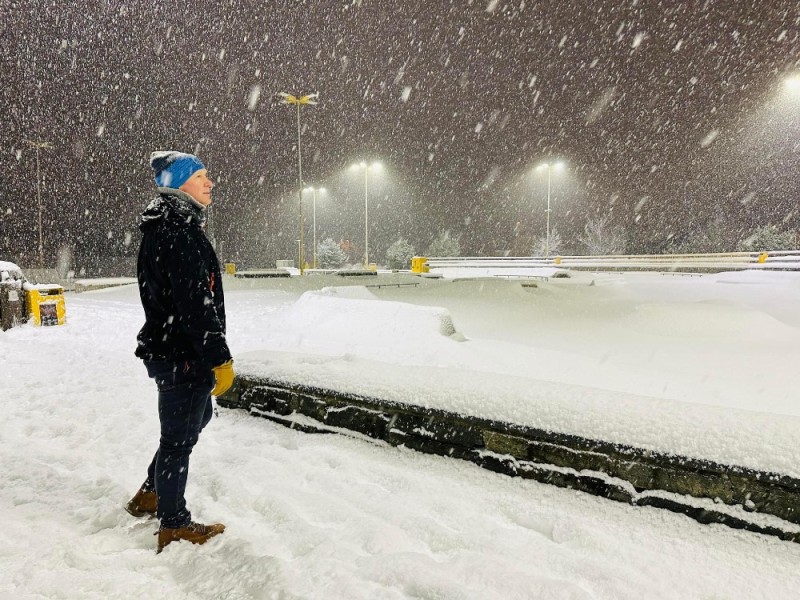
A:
(742, 498)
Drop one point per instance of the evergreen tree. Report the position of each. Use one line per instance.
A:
(399, 254)
(716, 236)
(330, 255)
(444, 245)
(766, 238)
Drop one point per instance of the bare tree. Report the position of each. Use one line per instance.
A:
(601, 237)
(540, 246)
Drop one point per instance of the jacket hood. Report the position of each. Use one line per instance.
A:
(172, 204)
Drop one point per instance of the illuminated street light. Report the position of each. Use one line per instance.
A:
(321, 191)
(793, 83)
(299, 101)
(557, 166)
(375, 167)
(39, 146)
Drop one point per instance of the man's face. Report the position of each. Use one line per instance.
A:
(198, 186)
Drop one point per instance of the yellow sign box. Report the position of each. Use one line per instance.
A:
(46, 305)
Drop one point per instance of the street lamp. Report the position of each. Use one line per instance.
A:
(376, 167)
(557, 166)
(299, 101)
(47, 146)
(793, 84)
(321, 191)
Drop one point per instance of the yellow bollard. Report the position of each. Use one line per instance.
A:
(557, 260)
(45, 304)
(419, 264)
(762, 258)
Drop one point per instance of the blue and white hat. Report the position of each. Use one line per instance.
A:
(172, 169)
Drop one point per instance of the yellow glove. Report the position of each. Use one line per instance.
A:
(224, 376)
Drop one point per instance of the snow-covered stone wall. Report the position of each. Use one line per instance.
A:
(704, 490)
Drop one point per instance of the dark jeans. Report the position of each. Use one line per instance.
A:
(184, 409)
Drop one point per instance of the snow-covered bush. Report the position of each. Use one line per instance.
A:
(716, 236)
(330, 255)
(444, 245)
(399, 254)
(10, 272)
(766, 238)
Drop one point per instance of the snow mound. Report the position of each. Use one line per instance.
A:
(351, 320)
(716, 319)
(355, 292)
(750, 276)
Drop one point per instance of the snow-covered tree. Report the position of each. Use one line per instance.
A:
(601, 237)
(399, 254)
(540, 246)
(444, 245)
(766, 238)
(330, 255)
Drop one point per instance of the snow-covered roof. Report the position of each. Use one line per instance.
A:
(27, 286)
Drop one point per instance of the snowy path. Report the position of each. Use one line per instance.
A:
(308, 516)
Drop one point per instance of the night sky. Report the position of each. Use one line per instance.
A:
(672, 117)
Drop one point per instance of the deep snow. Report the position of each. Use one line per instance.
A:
(340, 517)
(698, 366)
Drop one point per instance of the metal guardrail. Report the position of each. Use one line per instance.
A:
(783, 260)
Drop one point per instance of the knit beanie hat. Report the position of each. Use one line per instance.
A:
(172, 169)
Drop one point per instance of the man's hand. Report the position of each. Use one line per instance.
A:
(224, 376)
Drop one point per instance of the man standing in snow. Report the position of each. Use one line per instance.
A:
(183, 341)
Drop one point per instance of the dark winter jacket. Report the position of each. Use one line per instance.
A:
(180, 284)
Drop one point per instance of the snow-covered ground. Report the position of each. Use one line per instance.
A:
(338, 517)
(699, 366)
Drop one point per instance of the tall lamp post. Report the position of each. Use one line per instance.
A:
(557, 166)
(314, 227)
(39, 146)
(299, 101)
(375, 167)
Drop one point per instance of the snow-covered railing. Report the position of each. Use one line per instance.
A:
(782, 260)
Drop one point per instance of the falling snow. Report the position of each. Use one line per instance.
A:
(680, 102)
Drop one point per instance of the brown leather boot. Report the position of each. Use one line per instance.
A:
(196, 533)
(144, 503)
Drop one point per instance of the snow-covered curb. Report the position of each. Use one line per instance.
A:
(737, 437)
(766, 501)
